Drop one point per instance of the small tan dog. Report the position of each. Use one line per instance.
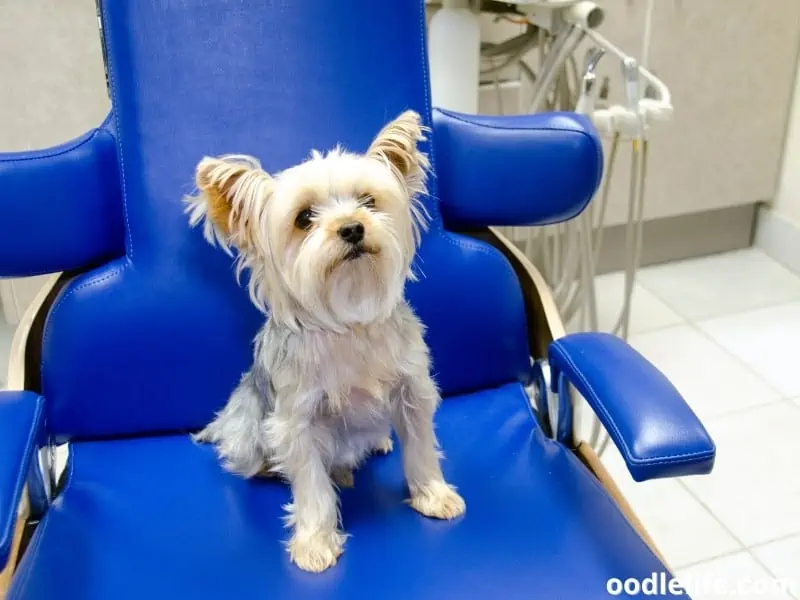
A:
(341, 358)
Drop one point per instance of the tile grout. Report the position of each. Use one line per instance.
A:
(781, 538)
(769, 571)
(709, 559)
(685, 317)
(738, 411)
(748, 367)
(694, 324)
(682, 323)
(742, 545)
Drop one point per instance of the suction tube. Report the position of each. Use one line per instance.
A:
(586, 15)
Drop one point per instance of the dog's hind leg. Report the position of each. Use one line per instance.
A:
(384, 446)
(343, 477)
(237, 430)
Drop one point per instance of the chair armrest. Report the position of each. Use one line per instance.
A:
(514, 170)
(61, 208)
(654, 429)
(21, 431)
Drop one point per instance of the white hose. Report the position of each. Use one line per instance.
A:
(568, 253)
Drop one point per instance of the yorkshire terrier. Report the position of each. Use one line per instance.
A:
(341, 358)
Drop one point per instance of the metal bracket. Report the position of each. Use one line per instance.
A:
(99, 10)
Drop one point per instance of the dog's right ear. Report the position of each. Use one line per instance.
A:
(233, 191)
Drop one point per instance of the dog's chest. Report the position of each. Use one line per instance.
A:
(362, 364)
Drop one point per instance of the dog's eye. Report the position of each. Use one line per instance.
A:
(367, 201)
(303, 220)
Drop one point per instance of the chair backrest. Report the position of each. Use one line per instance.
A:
(156, 340)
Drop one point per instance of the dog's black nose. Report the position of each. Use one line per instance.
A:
(352, 233)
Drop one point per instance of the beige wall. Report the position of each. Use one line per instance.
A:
(51, 69)
(730, 70)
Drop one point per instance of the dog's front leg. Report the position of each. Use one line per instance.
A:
(303, 456)
(414, 404)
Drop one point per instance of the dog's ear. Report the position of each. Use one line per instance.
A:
(397, 144)
(233, 191)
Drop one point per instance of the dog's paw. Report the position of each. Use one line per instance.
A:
(439, 500)
(384, 446)
(315, 552)
(267, 472)
(343, 477)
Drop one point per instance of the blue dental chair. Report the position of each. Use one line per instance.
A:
(145, 332)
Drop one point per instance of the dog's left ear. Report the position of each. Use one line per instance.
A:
(397, 144)
(233, 191)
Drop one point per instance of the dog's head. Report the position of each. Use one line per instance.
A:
(329, 242)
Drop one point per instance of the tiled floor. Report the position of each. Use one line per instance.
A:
(726, 331)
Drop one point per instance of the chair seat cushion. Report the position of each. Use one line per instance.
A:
(157, 518)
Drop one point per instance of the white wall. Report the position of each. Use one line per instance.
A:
(778, 227)
(787, 198)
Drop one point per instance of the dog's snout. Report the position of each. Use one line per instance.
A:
(352, 233)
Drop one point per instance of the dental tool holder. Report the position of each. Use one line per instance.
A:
(567, 254)
(630, 121)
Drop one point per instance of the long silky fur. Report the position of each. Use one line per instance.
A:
(341, 360)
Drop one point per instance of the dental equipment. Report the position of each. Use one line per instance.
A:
(568, 254)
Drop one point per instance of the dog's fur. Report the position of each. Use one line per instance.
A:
(341, 358)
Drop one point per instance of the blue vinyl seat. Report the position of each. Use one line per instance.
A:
(156, 517)
(147, 332)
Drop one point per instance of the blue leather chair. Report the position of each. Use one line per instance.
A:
(146, 331)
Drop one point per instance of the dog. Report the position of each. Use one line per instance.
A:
(341, 359)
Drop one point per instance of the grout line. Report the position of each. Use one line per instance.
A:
(713, 515)
(703, 561)
(756, 309)
(749, 553)
(737, 411)
(638, 281)
(648, 330)
(694, 324)
(680, 323)
(792, 583)
(780, 538)
(780, 396)
(747, 366)
(731, 533)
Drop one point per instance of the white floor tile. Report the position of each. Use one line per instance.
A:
(735, 576)
(754, 489)
(682, 529)
(782, 559)
(768, 340)
(711, 380)
(62, 456)
(647, 311)
(722, 284)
